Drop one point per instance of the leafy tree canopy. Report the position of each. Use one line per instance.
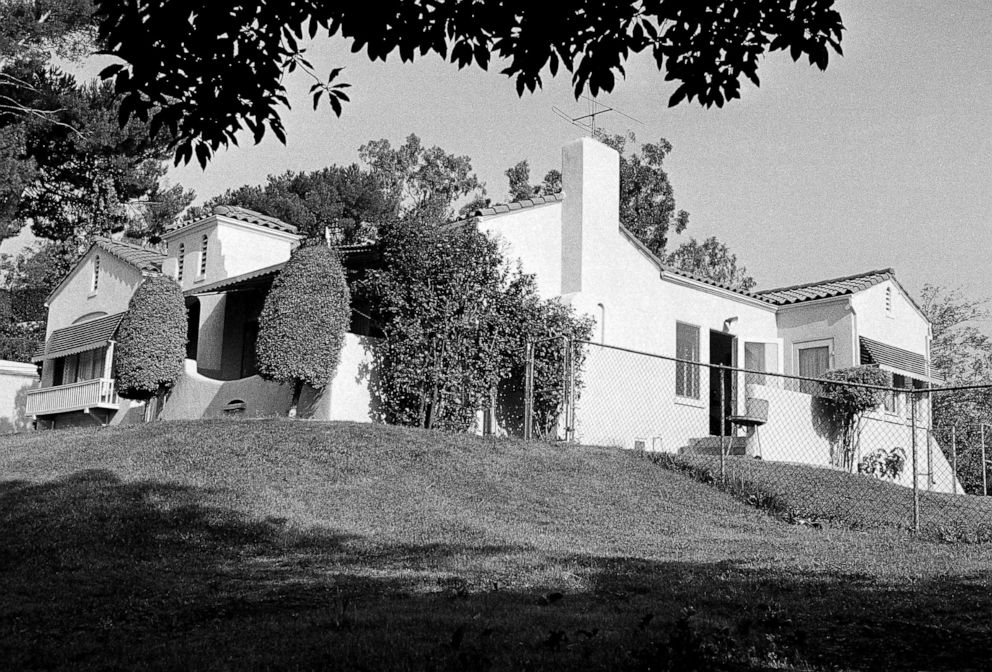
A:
(231, 57)
(647, 200)
(347, 200)
(960, 354)
(519, 182)
(711, 259)
(420, 182)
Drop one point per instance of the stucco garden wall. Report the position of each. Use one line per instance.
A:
(16, 378)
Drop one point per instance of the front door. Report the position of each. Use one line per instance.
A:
(723, 350)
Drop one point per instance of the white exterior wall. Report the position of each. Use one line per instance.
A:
(903, 327)
(75, 298)
(827, 322)
(532, 236)
(607, 276)
(233, 248)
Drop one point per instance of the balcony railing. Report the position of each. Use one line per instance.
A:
(96, 393)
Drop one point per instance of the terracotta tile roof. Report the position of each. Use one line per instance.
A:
(500, 208)
(142, 258)
(252, 217)
(825, 289)
(81, 337)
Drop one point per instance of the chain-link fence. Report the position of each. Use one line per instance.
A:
(905, 455)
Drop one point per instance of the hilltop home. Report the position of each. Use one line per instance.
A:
(574, 244)
(225, 264)
(577, 249)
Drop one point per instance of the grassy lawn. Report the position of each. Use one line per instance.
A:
(300, 545)
(857, 501)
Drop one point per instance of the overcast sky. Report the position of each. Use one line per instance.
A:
(883, 160)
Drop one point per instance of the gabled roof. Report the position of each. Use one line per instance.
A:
(145, 259)
(81, 337)
(825, 289)
(142, 258)
(252, 217)
(242, 215)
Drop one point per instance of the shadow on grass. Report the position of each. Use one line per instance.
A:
(96, 573)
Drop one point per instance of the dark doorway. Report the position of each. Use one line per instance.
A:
(192, 326)
(723, 350)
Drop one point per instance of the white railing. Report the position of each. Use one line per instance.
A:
(96, 393)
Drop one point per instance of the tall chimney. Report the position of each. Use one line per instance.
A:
(591, 208)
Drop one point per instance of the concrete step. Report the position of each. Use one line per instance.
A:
(710, 445)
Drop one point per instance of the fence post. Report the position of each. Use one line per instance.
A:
(985, 484)
(528, 389)
(723, 475)
(916, 488)
(954, 460)
(570, 416)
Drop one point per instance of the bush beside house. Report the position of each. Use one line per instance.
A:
(455, 320)
(303, 322)
(151, 342)
(847, 403)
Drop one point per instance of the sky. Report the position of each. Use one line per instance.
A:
(884, 160)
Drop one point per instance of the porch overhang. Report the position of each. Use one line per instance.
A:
(896, 360)
(80, 337)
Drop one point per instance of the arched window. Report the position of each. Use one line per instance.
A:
(96, 273)
(203, 255)
(181, 260)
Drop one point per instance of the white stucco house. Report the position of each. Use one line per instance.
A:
(577, 249)
(574, 244)
(225, 264)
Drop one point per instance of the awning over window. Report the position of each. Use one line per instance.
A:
(891, 357)
(81, 337)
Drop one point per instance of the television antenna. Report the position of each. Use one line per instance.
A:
(587, 122)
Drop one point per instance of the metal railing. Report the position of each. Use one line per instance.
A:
(95, 393)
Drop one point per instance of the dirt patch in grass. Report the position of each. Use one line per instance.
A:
(282, 545)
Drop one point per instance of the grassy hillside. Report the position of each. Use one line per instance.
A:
(298, 545)
(858, 501)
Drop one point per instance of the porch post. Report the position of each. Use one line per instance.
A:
(108, 360)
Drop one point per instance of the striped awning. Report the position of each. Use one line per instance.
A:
(81, 337)
(891, 357)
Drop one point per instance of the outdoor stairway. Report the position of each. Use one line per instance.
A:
(710, 445)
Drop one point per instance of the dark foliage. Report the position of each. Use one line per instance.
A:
(302, 325)
(151, 341)
(348, 201)
(231, 58)
(456, 322)
(847, 403)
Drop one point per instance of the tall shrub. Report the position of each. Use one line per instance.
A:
(455, 320)
(847, 403)
(151, 341)
(303, 322)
